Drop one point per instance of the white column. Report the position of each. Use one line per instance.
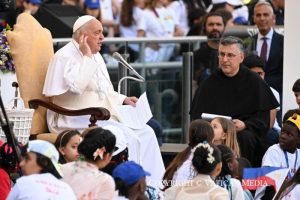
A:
(291, 62)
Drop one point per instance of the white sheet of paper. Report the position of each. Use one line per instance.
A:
(136, 117)
(209, 117)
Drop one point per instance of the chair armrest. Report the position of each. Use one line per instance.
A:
(97, 113)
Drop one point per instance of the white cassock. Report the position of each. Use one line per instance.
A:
(75, 81)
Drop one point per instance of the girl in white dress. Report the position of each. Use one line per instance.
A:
(158, 22)
(131, 12)
(41, 175)
(227, 177)
(180, 169)
(84, 176)
(207, 162)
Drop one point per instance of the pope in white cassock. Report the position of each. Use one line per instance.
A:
(77, 78)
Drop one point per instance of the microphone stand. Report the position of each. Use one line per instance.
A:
(123, 72)
(127, 77)
(8, 131)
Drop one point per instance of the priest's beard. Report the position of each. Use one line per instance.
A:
(214, 35)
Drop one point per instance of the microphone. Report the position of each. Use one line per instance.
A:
(121, 60)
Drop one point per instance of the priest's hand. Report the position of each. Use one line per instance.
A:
(84, 47)
(130, 101)
(239, 125)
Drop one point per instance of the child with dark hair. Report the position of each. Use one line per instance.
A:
(244, 163)
(257, 65)
(41, 175)
(84, 176)
(180, 169)
(130, 179)
(285, 153)
(227, 177)
(290, 190)
(290, 113)
(207, 162)
(296, 90)
(66, 144)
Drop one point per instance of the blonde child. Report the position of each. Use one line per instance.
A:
(225, 133)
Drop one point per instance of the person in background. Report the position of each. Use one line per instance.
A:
(131, 13)
(180, 169)
(225, 133)
(257, 65)
(239, 11)
(31, 6)
(92, 7)
(208, 164)
(296, 90)
(206, 57)
(10, 16)
(290, 190)
(85, 176)
(284, 154)
(290, 113)
(8, 161)
(110, 9)
(227, 16)
(130, 179)
(42, 175)
(8, 165)
(278, 6)
(229, 173)
(180, 8)
(5, 185)
(195, 18)
(244, 163)
(67, 144)
(269, 45)
(158, 21)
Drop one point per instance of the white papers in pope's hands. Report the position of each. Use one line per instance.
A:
(209, 117)
(136, 117)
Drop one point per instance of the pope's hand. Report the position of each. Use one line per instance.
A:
(84, 47)
(130, 101)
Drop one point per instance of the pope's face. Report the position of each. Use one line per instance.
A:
(230, 58)
(94, 33)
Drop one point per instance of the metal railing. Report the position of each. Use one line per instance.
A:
(183, 67)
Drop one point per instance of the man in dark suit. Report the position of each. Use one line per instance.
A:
(264, 19)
